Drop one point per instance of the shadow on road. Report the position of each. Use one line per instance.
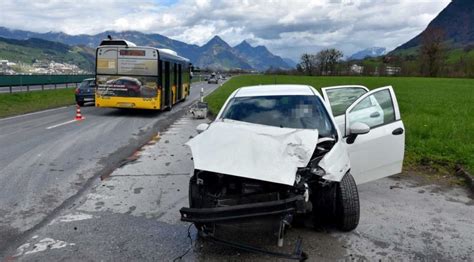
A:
(121, 112)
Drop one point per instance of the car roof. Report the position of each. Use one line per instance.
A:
(127, 78)
(275, 90)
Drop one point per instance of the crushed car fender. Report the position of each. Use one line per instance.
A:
(253, 151)
(335, 163)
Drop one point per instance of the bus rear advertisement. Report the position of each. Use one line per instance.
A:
(140, 77)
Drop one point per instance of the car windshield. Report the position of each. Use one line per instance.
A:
(303, 112)
(87, 84)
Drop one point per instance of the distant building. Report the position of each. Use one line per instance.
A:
(6, 67)
(3, 65)
(40, 64)
(357, 69)
(392, 70)
(52, 67)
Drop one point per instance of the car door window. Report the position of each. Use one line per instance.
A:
(341, 97)
(374, 110)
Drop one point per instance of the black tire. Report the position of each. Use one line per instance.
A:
(169, 108)
(80, 103)
(347, 204)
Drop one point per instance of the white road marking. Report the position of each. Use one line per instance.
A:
(42, 245)
(21, 249)
(65, 123)
(182, 122)
(48, 243)
(34, 113)
(72, 218)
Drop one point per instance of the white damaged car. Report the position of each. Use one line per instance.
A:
(284, 150)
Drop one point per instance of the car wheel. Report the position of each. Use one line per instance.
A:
(80, 103)
(347, 204)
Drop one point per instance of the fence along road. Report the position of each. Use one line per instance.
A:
(26, 83)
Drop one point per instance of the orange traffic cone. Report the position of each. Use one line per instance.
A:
(78, 114)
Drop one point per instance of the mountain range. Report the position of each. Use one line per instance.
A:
(215, 54)
(32, 49)
(456, 21)
(368, 52)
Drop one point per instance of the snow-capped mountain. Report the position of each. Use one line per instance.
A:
(368, 52)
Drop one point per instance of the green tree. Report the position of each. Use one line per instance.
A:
(432, 52)
(327, 61)
(307, 64)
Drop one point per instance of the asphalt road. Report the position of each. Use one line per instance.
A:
(133, 215)
(46, 161)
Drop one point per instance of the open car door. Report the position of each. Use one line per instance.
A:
(380, 152)
(340, 98)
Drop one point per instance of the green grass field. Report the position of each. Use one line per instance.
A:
(438, 113)
(25, 102)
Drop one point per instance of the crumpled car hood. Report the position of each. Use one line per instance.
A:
(253, 151)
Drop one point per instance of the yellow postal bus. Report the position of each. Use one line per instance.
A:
(129, 76)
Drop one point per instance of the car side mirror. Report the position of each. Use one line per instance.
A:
(358, 128)
(202, 127)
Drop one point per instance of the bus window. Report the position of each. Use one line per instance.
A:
(107, 61)
(167, 84)
(160, 81)
(180, 83)
(175, 87)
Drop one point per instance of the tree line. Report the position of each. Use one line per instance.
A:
(325, 62)
(433, 58)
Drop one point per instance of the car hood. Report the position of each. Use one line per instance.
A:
(253, 151)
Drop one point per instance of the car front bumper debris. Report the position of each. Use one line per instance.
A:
(294, 204)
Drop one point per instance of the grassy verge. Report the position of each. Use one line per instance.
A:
(438, 113)
(25, 102)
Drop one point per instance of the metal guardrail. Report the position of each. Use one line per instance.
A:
(37, 82)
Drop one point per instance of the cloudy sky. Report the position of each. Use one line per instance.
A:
(287, 28)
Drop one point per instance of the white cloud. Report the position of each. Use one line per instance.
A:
(287, 28)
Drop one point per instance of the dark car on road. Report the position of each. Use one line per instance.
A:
(85, 92)
(213, 79)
